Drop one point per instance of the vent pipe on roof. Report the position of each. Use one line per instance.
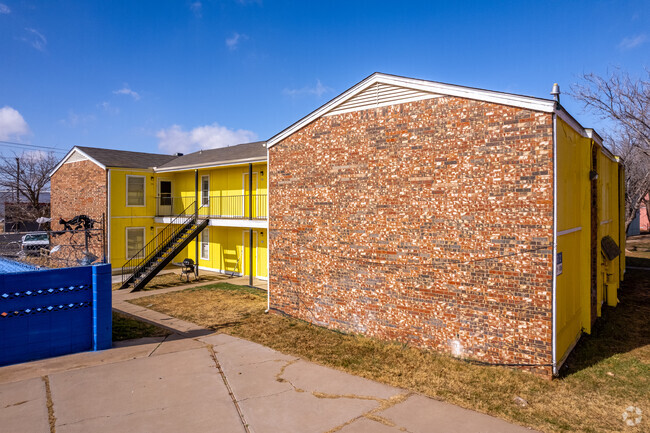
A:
(556, 92)
(178, 154)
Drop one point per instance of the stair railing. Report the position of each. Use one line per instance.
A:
(156, 245)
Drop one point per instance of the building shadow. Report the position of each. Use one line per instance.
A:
(621, 329)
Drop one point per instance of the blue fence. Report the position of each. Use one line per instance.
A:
(54, 312)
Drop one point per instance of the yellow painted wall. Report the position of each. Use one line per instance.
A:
(574, 216)
(573, 291)
(225, 242)
(123, 216)
(229, 251)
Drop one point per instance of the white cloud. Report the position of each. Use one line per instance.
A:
(127, 91)
(175, 139)
(109, 108)
(233, 42)
(75, 119)
(36, 39)
(632, 42)
(197, 8)
(317, 90)
(12, 124)
(4, 9)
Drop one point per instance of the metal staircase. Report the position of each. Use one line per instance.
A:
(157, 254)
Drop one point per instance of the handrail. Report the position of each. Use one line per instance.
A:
(153, 247)
(216, 206)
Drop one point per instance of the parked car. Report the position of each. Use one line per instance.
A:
(31, 243)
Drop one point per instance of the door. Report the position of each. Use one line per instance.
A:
(245, 198)
(246, 270)
(165, 200)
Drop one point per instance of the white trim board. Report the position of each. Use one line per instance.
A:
(431, 87)
(70, 153)
(566, 232)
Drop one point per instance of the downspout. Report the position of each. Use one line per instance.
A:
(196, 220)
(554, 282)
(268, 234)
(250, 218)
(107, 231)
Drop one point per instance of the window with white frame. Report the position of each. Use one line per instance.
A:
(135, 190)
(134, 240)
(205, 244)
(205, 190)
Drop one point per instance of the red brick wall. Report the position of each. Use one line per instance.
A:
(78, 188)
(415, 223)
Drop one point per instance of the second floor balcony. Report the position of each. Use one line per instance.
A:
(242, 206)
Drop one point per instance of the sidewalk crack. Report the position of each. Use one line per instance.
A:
(228, 388)
(50, 404)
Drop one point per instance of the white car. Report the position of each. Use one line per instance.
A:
(32, 243)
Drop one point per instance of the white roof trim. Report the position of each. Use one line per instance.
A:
(211, 164)
(536, 104)
(69, 154)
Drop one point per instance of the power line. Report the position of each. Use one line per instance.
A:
(35, 146)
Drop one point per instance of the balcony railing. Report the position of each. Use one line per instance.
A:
(224, 206)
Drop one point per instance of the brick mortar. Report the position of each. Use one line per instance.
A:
(372, 214)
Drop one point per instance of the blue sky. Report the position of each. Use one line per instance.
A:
(165, 76)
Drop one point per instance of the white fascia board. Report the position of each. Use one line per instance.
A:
(209, 165)
(531, 103)
(65, 158)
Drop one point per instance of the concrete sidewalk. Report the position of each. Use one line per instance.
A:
(214, 383)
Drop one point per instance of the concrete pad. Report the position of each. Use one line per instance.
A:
(17, 372)
(365, 425)
(23, 407)
(181, 391)
(419, 414)
(176, 343)
(301, 412)
(316, 378)
(234, 351)
(256, 380)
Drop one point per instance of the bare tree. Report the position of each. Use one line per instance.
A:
(27, 176)
(637, 172)
(625, 102)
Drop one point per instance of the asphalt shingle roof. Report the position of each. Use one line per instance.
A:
(126, 158)
(222, 155)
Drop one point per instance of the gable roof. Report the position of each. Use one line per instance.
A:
(113, 158)
(238, 154)
(379, 90)
(125, 158)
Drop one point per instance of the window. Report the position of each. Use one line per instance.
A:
(205, 190)
(134, 241)
(135, 190)
(205, 244)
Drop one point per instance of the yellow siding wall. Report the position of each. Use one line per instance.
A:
(573, 291)
(229, 251)
(123, 216)
(573, 214)
(225, 242)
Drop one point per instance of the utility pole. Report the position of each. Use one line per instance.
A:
(17, 180)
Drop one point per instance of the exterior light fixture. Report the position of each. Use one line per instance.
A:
(593, 175)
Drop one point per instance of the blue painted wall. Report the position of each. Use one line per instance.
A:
(54, 312)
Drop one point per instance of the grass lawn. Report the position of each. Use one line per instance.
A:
(607, 372)
(173, 280)
(125, 328)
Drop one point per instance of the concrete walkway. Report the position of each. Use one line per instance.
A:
(197, 381)
(215, 383)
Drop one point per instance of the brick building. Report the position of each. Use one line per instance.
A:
(457, 219)
(79, 186)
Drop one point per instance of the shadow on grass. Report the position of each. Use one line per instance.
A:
(621, 329)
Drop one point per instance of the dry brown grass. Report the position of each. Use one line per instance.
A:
(608, 371)
(173, 280)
